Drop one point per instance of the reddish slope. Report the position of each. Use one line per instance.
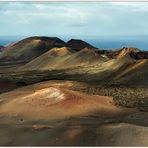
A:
(53, 103)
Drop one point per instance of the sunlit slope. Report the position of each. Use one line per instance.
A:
(62, 58)
(48, 60)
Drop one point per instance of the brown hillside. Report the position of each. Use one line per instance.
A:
(28, 49)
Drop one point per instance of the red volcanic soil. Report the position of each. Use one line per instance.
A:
(54, 103)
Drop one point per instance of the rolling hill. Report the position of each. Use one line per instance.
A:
(75, 62)
(52, 101)
(62, 58)
(28, 49)
(49, 60)
(54, 93)
(134, 73)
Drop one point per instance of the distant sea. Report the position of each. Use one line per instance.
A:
(5, 42)
(143, 45)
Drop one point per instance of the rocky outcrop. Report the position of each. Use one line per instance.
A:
(139, 55)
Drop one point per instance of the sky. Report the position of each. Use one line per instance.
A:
(97, 22)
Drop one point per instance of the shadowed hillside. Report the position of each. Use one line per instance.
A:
(139, 55)
(77, 45)
(28, 49)
(1, 48)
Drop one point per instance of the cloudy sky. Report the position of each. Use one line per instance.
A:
(86, 20)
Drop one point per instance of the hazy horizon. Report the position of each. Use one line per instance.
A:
(99, 23)
(101, 42)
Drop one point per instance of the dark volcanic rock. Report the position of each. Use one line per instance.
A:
(1, 48)
(139, 55)
(77, 45)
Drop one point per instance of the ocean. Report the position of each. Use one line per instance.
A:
(143, 45)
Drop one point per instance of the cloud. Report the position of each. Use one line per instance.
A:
(90, 19)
